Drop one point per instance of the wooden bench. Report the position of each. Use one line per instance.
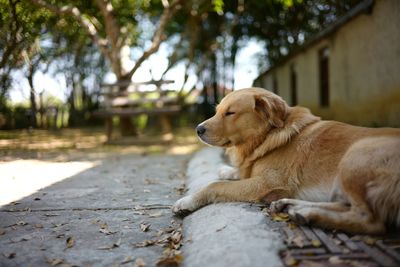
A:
(121, 104)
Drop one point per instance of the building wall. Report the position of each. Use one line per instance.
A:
(364, 70)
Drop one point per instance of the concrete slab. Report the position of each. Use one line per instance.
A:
(93, 217)
(232, 234)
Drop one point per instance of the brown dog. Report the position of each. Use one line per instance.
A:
(325, 173)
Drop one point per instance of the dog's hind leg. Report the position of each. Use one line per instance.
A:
(354, 220)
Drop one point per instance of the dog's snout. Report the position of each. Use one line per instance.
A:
(200, 130)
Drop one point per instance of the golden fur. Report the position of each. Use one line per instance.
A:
(326, 173)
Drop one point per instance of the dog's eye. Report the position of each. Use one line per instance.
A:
(228, 113)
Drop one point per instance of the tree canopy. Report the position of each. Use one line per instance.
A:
(83, 40)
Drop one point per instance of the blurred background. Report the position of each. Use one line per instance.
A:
(149, 65)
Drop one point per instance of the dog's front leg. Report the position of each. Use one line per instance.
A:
(226, 172)
(256, 189)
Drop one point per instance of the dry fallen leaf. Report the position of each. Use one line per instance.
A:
(316, 243)
(369, 240)
(289, 260)
(70, 242)
(155, 214)
(181, 190)
(144, 227)
(335, 260)
(172, 260)
(145, 243)
(221, 228)
(103, 225)
(151, 181)
(309, 263)
(10, 255)
(38, 225)
(51, 215)
(139, 262)
(280, 217)
(114, 245)
(298, 241)
(128, 259)
(2, 231)
(54, 262)
(106, 231)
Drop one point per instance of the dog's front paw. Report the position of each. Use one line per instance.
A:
(226, 172)
(184, 206)
(280, 205)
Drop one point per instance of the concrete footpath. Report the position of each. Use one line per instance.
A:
(115, 212)
(233, 234)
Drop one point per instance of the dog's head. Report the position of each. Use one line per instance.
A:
(242, 116)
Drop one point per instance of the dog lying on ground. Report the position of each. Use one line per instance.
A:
(324, 173)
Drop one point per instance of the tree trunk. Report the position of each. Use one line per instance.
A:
(126, 126)
(32, 97)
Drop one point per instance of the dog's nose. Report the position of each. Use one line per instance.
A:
(200, 130)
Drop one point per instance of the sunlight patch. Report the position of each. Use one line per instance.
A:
(21, 178)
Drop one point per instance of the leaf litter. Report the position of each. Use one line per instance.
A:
(171, 239)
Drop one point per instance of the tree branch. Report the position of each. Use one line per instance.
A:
(158, 36)
(86, 23)
(113, 32)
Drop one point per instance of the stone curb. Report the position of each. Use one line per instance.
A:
(228, 234)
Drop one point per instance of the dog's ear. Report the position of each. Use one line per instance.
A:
(274, 109)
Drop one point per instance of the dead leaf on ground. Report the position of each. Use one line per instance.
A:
(335, 260)
(309, 263)
(298, 241)
(114, 245)
(146, 243)
(280, 217)
(289, 260)
(151, 181)
(21, 223)
(316, 243)
(2, 231)
(51, 215)
(221, 228)
(369, 240)
(107, 231)
(173, 258)
(104, 229)
(127, 259)
(38, 225)
(103, 225)
(10, 255)
(181, 190)
(144, 227)
(54, 262)
(139, 262)
(165, 231)
(70, 242)
(155, 214)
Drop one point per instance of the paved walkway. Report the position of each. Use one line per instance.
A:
(115, 211)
